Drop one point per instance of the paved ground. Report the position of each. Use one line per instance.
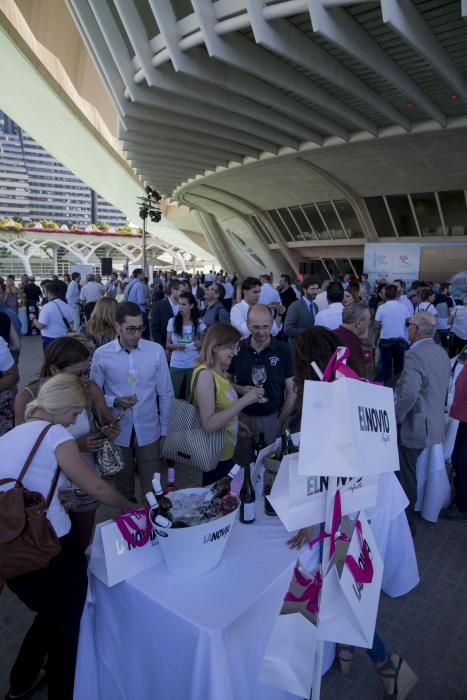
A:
(429, 626)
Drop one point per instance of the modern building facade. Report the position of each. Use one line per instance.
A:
(35, 186)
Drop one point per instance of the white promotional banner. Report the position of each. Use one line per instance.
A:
(300, 500)
(348, 427)
(82, 269)
(348, 608)
(113, 559)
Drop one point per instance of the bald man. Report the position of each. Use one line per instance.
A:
(260, 348)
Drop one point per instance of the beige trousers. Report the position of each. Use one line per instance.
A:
(147, 459)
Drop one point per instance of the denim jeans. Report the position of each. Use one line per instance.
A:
(392, 357)
(378, 652)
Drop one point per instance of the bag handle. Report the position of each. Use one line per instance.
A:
(337, 361)
(27, 464)
(65, 320)
(32, 454)
(193, 388)
(364, 573)
(128, 527)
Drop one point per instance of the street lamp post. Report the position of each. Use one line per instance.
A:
(148, 206)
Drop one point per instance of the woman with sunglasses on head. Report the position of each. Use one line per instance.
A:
(184, 340)
(70, 355)
(215, 396)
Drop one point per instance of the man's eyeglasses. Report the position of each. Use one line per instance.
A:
(132, 330)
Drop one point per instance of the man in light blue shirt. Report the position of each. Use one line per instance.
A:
(72, 298)
(134, 375)
(135, 291)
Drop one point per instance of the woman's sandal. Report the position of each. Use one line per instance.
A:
(397, 677)
(345, 656)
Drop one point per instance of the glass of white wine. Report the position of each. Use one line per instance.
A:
(133, 379)
(258, 377)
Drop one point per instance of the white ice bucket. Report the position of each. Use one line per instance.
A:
(197, 549)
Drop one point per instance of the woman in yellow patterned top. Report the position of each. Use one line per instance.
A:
(215, 397)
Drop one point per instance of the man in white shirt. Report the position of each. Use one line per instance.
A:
(402, 298)
(268, 294)
(251, 287)
(229, 292)
(332, 316)
(56, 318)
(321, 300)
(92, 291)
(134, 375)
(72, 298)
(391, 331)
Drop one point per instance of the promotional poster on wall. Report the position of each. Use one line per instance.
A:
(392, 261)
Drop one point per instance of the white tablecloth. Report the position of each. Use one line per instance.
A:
(198, 638)
(392, 534)
(204, 637)
(433, 487)
(450, 437)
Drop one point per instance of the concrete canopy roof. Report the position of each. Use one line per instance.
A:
(237, 91)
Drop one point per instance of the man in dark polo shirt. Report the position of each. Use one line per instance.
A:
(352, 331)
(260, 348)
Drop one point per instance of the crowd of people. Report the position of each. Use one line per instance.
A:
(117, 354)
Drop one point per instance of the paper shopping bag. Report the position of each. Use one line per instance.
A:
(351, 589)
(348, 427)
(300, 500)
(113, 559)
(289, 658)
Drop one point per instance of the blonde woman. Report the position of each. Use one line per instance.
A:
(72, 355)
(215, 396)
(101, 326)
(57, 592)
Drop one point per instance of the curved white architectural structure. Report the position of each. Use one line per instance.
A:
(298, 130)
(289, 124)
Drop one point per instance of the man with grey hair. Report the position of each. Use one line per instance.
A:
(352, 331)
(92, 291)
(420, 396)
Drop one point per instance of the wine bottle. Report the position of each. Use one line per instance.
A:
(170, 486)
(162, 521)
(164, 503)
(222, 487)
(291, 448)
(247, 499)
(260, 444)
(284, 446)
(151, 499)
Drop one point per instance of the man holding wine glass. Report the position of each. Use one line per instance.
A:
(264, 361)
(134, 375)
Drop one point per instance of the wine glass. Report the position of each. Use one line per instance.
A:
(259, 376)
(133, 379)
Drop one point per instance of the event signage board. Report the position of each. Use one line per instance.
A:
(300, 500)
(392, 261)
(348, 428)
